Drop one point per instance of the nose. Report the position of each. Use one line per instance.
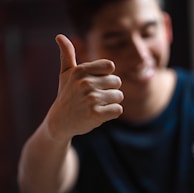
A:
(139, 49)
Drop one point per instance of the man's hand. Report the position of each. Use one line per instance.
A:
(88, 95)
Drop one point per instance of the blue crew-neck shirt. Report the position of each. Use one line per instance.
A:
(152, 157)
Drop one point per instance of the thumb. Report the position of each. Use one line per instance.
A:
(67, 52)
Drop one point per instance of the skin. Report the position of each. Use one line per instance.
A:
(142, 43)
(127, 42)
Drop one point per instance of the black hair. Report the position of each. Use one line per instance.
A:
(80, 13)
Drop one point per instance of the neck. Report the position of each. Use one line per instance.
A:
(151, 102)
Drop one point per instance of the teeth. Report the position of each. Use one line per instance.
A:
(145, 72)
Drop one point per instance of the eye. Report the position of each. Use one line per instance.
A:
(116, 44)
(149, 30)
(115, 40)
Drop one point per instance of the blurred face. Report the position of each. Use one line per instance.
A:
(135, 35)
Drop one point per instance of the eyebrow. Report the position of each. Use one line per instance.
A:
(112, 34)
(150, 23)
(119, 33)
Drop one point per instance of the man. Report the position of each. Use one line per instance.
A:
(149, 147)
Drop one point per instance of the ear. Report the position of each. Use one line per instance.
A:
(80, 47)
(168, 26)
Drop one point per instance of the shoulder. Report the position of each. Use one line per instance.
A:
(185, 80)
(185, 87)
(184, 74)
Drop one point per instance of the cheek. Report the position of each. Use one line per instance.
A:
(160, 51)
(162, 54)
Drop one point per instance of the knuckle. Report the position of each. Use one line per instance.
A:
(109, 64)
(79, 70)
(118, 81)
(86, 83)
(117, 96)
(93, 97)
(95, 111)
(121, 95)
(106, 65)
(118, 110)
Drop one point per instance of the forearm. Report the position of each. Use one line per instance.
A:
(46, 165)
(88, 96)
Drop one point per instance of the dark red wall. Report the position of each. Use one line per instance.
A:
(29, 65)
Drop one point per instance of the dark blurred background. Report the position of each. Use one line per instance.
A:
(29, 65)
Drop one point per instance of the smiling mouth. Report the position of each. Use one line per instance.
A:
(145, 72)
